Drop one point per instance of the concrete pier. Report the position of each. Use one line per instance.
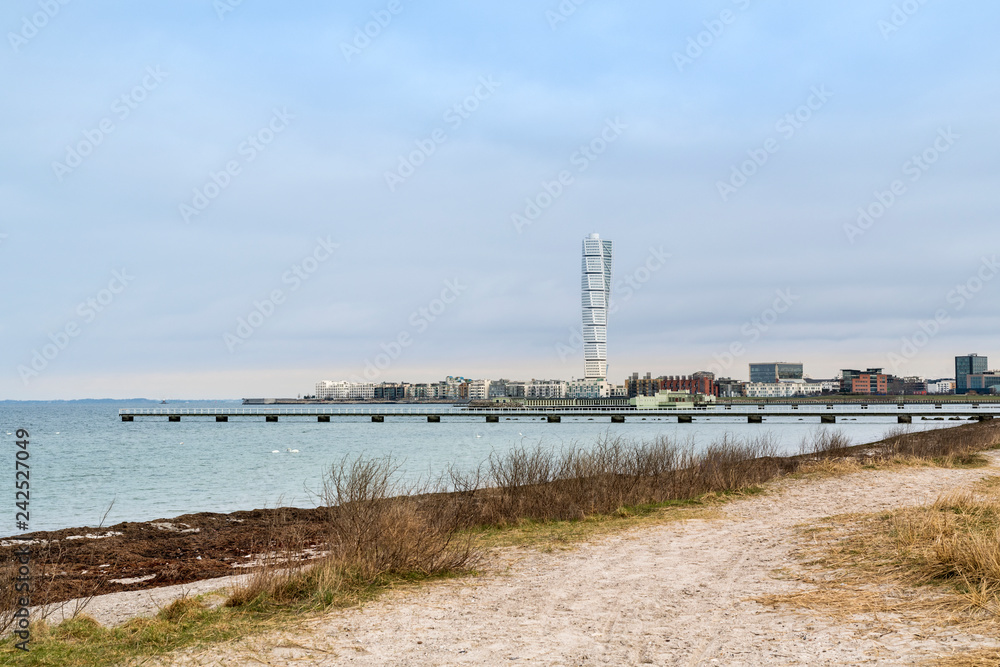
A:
(904, 419)
(754, 413)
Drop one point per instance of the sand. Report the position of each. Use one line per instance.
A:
(673, 594)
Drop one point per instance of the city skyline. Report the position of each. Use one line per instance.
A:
(186, 214)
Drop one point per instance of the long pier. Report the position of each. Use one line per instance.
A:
(904, 413)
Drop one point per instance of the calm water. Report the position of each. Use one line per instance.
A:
(83, 457)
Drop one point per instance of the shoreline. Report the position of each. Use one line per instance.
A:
(194, 547)
(620, 597)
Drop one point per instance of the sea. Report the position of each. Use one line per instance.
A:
(90, 469)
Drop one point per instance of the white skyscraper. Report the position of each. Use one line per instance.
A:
(597, 263)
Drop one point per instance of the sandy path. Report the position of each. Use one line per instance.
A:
(668, 595)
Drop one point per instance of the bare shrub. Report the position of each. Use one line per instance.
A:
(571, 483)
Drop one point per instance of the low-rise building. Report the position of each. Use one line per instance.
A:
(983, 383)
(729, 388)
(700, 382)
(545, 389)
(941, 386)
(671, 400)
(479, 390)
(787, 389)
(588, 389)
(328, 390)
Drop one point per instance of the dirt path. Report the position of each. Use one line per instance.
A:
(676, 594)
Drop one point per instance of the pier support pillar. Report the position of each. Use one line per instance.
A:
(755, 419)
(324, 419)
(128, 418)
(434, 419)
(378, 419)
(221, 418)
(554, 419)
(985, 418)
(174, 418)
(617, 419)
(492, 419)
(904, 419)
(271, 418)
(827, 419)
(685, 419)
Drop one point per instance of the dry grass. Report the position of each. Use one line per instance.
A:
(938, 564)
(989, 657)
(616, 474)
(380, 532)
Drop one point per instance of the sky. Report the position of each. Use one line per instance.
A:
(220, 199)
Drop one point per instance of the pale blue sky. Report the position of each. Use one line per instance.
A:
(343, 123)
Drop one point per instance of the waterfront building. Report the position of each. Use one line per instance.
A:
(343, 390)
(479, 390)
(545, 389)
(786, 389)
(729, 388)
(498, 388)
(775, 371)
(942, 386)
(588, 388)
(597, 266)
(968, 365)
(390, 391)
(870, 382)
(420, 390)
(670, 400)
(702, 382)
(983, 383)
